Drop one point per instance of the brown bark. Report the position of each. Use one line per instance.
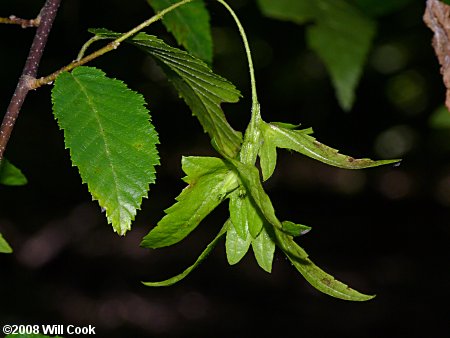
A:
(437, 18)
(48, 14)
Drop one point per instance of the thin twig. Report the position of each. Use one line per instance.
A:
(109, 47)
(24, 23)
(48, 14)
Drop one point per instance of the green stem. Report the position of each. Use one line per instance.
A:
(247, 49)
(109, 47)
(86, 46)
(251, 144)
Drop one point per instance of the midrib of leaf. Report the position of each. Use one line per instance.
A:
(103, 138)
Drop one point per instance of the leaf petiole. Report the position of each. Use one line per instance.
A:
(86, 46)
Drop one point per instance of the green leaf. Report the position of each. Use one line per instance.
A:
(264, 248)
(199, 260)
(111, 141)
(313, 274)
(298, 140)
(295, 229)
(341, 35)
(236, 246)
(190, 26)
(202, 90)
(206, 190)
(4, 246)
(10, 175)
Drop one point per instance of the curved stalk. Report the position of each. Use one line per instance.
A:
(86, 46)
(251, 144)
(247, 49)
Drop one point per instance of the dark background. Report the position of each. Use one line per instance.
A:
(383, 230)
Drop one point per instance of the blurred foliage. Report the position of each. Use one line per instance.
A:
(342, 34)
(4, 246)
(440, 119)
(10, 175)
(378, 8)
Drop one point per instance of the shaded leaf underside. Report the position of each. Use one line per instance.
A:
(202, 90)
(190, 26)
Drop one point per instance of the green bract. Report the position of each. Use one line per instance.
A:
(264, 248)
(313, 274)
(210, 180)
(253, 221)
(276, 136)
(200, 259)
(236, 246)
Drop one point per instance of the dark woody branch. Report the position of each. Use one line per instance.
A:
(47, 16)
(24, 23)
